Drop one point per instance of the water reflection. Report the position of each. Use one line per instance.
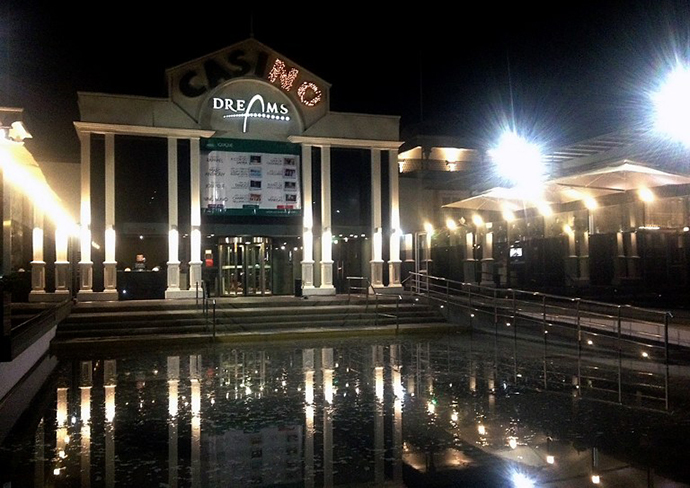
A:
(400, 413)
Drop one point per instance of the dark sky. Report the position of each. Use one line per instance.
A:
(564, 71)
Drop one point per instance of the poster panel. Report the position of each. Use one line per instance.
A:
(241, 177)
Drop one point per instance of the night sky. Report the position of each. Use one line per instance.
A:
(563, 72)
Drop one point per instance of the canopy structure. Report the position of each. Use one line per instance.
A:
(622, 177)
(592, 184)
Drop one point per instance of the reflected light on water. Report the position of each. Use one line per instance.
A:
(300, 431)
(521, 480)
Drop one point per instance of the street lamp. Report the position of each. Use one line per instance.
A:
(672, 105)
(518, 161)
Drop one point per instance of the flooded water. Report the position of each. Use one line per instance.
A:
(452, 410)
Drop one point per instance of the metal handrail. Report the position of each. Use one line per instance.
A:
(618, 324)
(376, 295)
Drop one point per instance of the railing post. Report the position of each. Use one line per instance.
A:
(546, 386)
(214, 319)
(667, 317)
(495, 336)
(579, 350)
(495, 313)
(620, 359)
(514, 323)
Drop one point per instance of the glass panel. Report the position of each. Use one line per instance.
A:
(230, 269)
(252, 270)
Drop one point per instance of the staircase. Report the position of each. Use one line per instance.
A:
(235, 318)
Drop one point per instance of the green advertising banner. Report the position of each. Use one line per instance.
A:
(243, 177)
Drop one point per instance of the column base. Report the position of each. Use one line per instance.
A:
(307, 274)
(376, 273)
(97, 296)
(173, 275)
(38, 276)
(62, 276)
(172, 294)
(326, 274)
(389, 289)
(195, 275)
(58, 296)
(394, 270)
(320, 291)
(110, 276)
(85, 277)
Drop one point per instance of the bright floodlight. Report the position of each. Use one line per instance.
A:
(672, 105)
(518, 161)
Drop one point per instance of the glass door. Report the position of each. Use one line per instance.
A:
(245, 266)
(231, 266)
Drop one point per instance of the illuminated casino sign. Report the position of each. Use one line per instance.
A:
(257, 107)
(203, 85)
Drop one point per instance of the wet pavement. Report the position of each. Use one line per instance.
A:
(425, 410)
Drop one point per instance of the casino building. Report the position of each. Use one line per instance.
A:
(266, 190)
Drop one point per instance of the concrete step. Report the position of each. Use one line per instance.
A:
(235, 328)
(248, 321)
(255, 313)
(167, 318)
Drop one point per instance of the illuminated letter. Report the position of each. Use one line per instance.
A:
(217, 103)
(256, 98)
(272, 108)
(309, 94)
(286, 79)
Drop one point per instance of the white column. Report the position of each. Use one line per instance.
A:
(376, 231)
(173, 233)
(394, 262)
(61, 261)
(110, 264)
(308, 222)
(195, 190)
(38, 265)
(326, 228)
(85, 264)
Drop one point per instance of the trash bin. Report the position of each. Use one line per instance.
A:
(298, 288)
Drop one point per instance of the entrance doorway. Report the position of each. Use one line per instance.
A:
(245, 266)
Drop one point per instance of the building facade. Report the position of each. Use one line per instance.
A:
(248, 161)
